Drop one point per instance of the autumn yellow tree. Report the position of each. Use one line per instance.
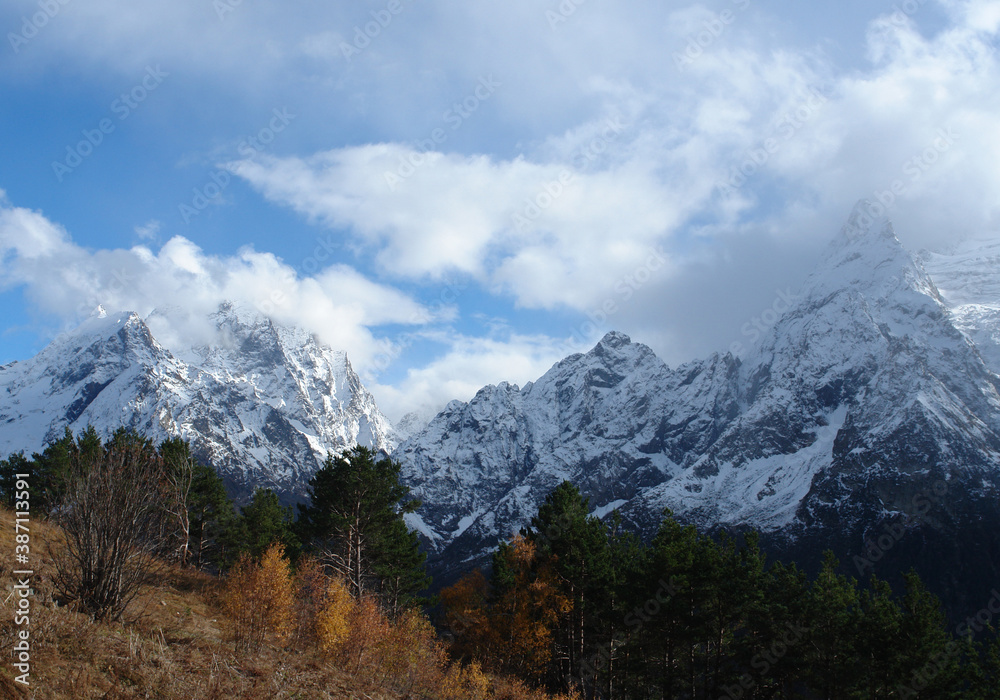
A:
(415, 653)
(465, 683)
(334, 617)
(259, 598)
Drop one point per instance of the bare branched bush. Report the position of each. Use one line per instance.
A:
(178, 481)
(112, 515)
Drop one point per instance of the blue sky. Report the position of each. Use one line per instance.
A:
(460, 194)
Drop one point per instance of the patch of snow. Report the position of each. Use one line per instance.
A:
(608, 508)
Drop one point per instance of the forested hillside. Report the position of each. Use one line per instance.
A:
(576, 603)
(146, 581)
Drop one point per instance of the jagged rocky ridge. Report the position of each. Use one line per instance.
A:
(262, 403)
(867, 400)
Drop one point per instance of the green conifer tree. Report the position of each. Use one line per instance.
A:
(262, 522)
(355, 520)
(577, 545)
(927, 655)
(833, 612)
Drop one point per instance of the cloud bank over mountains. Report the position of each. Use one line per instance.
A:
(666, 170)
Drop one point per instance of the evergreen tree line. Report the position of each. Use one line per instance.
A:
(577, 604)
(127, 504)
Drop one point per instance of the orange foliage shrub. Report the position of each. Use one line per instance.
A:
(414, 653)
(511, 630)
(310, 585)
(368, 629)
(465, 683)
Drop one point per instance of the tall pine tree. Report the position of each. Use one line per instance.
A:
(577, 545)
(355, 520)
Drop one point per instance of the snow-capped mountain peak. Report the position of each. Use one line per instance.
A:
(262, 402)
(867, 258)
(868, 220)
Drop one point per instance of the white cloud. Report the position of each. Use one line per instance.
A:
(978, 15)
(548, 234)
(26, 235)
(557, 228)
(185, 284)
(148, 231)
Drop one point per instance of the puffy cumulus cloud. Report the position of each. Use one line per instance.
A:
(26, 235)
(557, 228)
(547, 233)
(435, 217)
(184, 285)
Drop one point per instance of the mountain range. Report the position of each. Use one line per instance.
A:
(864, 419)
(871, 403)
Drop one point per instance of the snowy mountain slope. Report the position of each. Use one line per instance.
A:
(864, 385)
(109, 366)
(968, 276)
(615, 420)
(263, 405)
(312, 385)
(866, 369)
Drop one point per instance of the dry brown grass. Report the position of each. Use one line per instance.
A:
(174, 642)
(170, 644)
